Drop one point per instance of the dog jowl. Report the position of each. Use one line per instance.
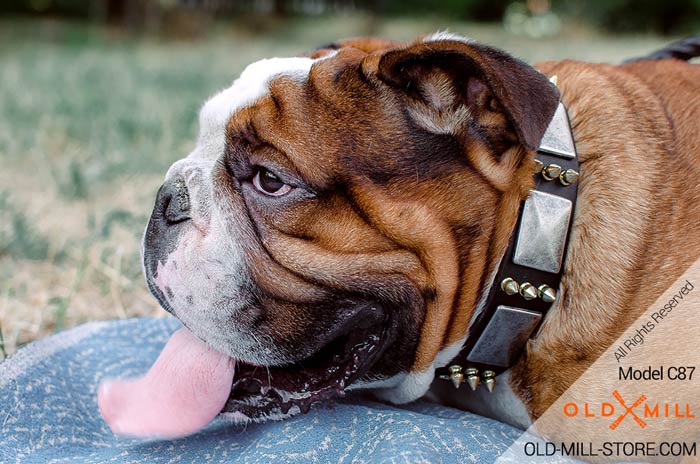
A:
(311, 243)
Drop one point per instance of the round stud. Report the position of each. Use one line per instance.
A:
(472, 377)
(489, 380)
(528, 291)
(551, 171)
(538, 166)
(568, 177)
(510, 286)
(546, 293)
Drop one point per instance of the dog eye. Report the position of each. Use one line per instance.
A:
(269, 184)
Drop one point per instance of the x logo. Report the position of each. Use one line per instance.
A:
(628, 410)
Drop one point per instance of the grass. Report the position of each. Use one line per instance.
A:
(90, 119)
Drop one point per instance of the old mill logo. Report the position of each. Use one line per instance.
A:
(640, 410)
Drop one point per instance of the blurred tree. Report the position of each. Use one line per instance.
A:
(280, 8)
(667, 16)
(70, 8)
(459, 9)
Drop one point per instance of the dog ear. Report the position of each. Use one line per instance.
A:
(453, 83)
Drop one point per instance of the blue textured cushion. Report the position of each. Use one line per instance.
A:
(48, 413)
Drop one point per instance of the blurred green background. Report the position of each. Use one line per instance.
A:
(666, 17)
(98, 98)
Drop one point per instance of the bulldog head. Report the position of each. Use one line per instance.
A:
(341, 214)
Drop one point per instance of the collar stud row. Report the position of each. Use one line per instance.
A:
(457, 375)
(510, 286)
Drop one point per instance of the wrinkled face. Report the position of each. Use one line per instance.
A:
(336, 219)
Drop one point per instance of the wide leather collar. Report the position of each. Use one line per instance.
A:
(527, 282)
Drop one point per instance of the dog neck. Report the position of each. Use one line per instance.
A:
(527, 281)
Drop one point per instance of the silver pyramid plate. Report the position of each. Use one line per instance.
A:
(557, 138)
(502, 340)
(543, 230)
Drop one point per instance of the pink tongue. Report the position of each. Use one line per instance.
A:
(182, 392)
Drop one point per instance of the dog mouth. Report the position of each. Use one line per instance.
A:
(190, 383)
(275, 392)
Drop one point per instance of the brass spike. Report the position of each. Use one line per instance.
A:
(538, 166)
(456, 375)
(528, 291)
(551, 171)
(489, 380)
(510, 286)
(553, 79)
(546, 293)
(568, 177)
(473, 377)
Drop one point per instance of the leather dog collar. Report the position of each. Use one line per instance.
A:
(527, 282)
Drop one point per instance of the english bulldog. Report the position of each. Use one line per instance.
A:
(384, 216)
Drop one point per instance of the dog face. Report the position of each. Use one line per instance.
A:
(341, 214)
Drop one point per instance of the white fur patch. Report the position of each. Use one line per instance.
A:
(407, 387)
(446, 35)
(481, 305)
(446, 122)
(252, 84)
(205, 277)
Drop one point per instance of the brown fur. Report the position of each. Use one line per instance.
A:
(636, 133)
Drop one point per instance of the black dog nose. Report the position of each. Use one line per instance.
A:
(173, 201)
